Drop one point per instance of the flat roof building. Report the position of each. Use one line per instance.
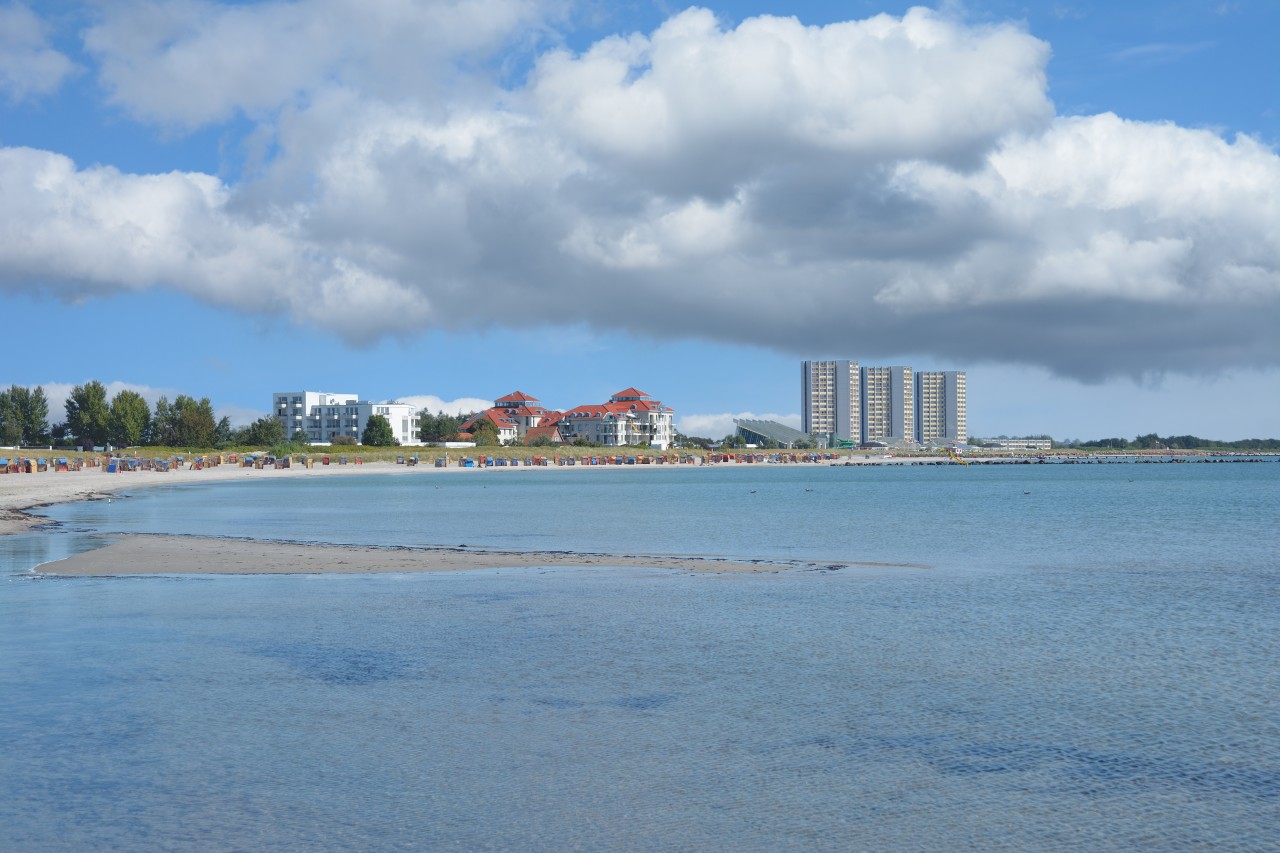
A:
(941, 407)
(888, 404)
(321, 416)
(831, 399)
(845, 402)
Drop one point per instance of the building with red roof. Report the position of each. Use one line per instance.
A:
(513, 416)
(631, 417)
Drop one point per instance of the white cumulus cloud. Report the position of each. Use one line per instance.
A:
(434, 404)
(894, 184)
(29, 66)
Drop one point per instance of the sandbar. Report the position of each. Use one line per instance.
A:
(138, 554)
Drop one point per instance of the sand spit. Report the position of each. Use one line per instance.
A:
(148, 555)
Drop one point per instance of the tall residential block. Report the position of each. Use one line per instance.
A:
(831, 399)
(888, 404)
(941, 407)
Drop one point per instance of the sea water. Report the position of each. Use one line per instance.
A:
(1064, 658)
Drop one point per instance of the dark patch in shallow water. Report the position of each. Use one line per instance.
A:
(342, 664)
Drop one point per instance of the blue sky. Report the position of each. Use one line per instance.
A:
(1078, 204)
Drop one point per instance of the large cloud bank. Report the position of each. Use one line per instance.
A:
(877, 186)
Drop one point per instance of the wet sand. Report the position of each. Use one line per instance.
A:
(147, 555)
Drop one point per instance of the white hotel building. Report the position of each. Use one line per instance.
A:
(322, 415)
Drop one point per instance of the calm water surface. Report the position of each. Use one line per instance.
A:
(1088, 663)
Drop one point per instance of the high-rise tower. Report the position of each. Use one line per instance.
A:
(831, 399)
(888, 404)
(941, 407)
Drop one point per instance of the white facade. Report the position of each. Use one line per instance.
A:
(883, 404)
(831, 399)
(402, 417)
(941, 407)
(888, 404)
(1019, 444)
(322, 416)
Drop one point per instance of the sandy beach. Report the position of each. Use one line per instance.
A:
(19, 492)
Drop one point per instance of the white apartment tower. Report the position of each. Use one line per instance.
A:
(941, 407)
(831, 399)
(888, 404)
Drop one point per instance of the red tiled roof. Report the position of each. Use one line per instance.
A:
(516, 397)
(634, 406)
(498, 417)
(542, 431)
(526, 411)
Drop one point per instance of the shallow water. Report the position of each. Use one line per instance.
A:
(1088, 666)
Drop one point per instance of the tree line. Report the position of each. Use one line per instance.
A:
(127, 421)
(1152, 441)
(124, 420)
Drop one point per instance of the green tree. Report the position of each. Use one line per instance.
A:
(683, 440)
(24, 415)
(264, 432)
(437, 427)
(194, 422)
(35, 416)
(485, 434)
(130, 418)
(10, 422)
(88, 416)
(222, 433)
(59, 435)
(300, 437)
(163, 426)
(377, 432)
